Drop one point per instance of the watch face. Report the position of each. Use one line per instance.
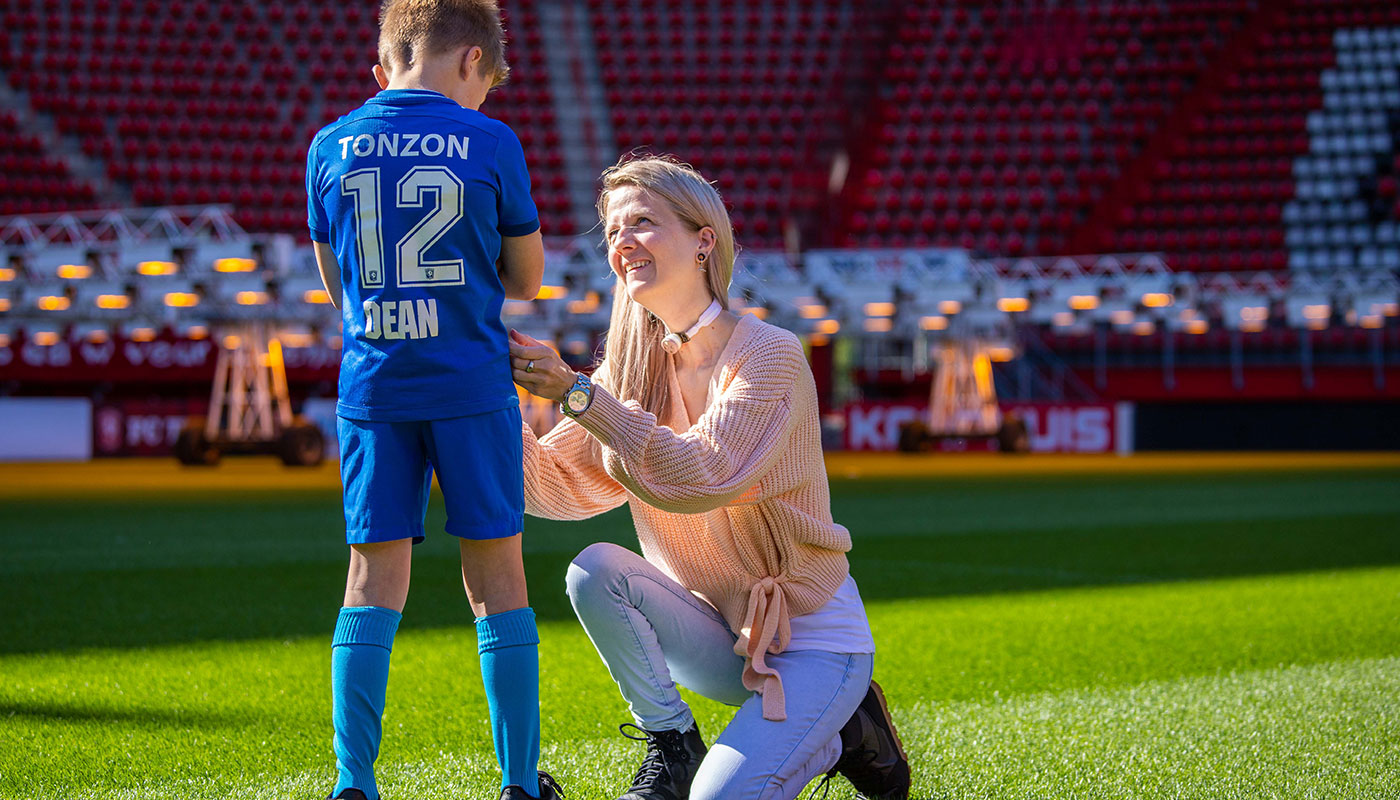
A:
(577, 401)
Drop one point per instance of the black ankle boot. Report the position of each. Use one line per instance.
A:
(872, 756)
(672, 759)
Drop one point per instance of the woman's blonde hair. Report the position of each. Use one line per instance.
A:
(636, 362)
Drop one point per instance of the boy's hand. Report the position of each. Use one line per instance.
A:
(535, 366)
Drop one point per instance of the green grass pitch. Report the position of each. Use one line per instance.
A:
(1103, 633)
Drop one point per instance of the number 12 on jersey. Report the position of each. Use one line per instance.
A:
(363, 187)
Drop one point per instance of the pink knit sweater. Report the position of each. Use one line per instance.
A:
(735, 507)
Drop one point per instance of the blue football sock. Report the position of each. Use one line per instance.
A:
(508, 644)
(359, 675)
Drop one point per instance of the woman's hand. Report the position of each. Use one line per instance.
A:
(535, 366)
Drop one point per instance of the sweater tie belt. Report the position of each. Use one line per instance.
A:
(766, 630)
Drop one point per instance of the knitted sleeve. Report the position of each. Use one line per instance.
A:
(725, 454)
(564, 476)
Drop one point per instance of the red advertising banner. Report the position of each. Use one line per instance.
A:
(161, 360)
(141, 427)
(1052, 427)
(113, 360)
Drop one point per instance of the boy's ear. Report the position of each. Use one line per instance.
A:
(471, 61)
(381, 76)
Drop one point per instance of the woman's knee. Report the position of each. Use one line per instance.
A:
(726, 774)
(598, 566)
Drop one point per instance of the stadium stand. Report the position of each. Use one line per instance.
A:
(223, 111)
(1007, 128)
(999, 127)
(1225, 136)
(752, 94)
(1346, 213)
(1277, 137)
(31, 180)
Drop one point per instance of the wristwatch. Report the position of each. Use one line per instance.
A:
(579, 397)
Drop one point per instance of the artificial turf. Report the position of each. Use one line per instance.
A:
(1209, 633)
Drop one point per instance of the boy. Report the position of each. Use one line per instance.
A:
(420, 212)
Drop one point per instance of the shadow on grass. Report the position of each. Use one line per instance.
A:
(911, 540)
(57, 712)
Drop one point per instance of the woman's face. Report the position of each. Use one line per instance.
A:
(651, 249)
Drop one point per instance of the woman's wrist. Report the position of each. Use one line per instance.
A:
(571, 378)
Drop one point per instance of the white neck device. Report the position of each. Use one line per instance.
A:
(673, 341)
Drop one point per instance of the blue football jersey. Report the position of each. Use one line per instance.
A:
(414, 192)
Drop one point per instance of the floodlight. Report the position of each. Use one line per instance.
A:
(43, 335)
(1245, 312)
(139, 331)
(296, 336)
(234, 265)
(549, 292)
(193, 329)
(181, 299)
(94, 332)
(157, 268)
(1308, 311)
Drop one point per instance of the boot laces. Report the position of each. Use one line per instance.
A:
(862, 758)
(824, 787)
(547, 780)
(856, 761)
(661, 749)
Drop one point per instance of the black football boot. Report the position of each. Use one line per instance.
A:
(549, 790)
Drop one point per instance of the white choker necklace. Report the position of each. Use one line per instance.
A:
(673, 341)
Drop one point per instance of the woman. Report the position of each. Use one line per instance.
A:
(706, 423)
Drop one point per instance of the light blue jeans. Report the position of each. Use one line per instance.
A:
(652, 633)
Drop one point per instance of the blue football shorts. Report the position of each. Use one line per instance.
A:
(387, 470)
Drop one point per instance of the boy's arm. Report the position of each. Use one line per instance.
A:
(521, 267)
(330, 271)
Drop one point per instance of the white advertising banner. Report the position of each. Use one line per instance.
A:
(45, 429)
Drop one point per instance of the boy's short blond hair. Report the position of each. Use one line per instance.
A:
(429, 27)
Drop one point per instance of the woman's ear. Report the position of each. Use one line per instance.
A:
(707, 240)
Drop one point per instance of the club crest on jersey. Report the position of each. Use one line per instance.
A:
(401, 319)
